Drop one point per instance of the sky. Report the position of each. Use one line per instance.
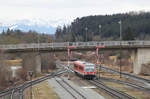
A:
(65, 10)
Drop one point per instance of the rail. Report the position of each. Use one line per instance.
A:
(77, 44)
(127, 75)
(113, 92)
(17, 89)
(70, 89)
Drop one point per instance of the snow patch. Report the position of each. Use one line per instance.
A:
(13, 27)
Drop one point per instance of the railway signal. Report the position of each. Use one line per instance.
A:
(30, 74)
(98, 58)
(69, 51)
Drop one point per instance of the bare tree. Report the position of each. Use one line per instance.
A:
(5, 72)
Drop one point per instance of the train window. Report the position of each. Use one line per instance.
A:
(89, 69)
(75, 66)
(81, 68)
(90, 65)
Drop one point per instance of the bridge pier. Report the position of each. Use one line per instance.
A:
(32, 61)
(140, 56)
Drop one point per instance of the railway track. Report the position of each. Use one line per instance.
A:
(72, 91)
(118, 94)
(131, 84)
(112, 92)
(26, 85)
(126, 75)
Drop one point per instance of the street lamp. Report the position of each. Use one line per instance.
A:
(100, 26)
(120, 23)
(86, 34)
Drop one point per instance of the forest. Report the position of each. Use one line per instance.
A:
(135, 26)
(18, 36)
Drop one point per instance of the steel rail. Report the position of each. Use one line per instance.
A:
(28, 84)
(74, 89)
(66, 89)
(126, 75)
(131, 84)
(113, 92)
(70, 88)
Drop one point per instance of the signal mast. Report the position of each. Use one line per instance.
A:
(98, 58)
(69, 51)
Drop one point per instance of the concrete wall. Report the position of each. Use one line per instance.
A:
(38, 63)
(141, 56)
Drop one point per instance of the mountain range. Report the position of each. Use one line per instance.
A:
(38, 25)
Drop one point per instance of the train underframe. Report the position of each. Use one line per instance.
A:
(88, 76)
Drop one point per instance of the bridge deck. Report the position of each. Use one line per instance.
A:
(79, 45)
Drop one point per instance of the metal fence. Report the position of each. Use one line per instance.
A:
(77, 44)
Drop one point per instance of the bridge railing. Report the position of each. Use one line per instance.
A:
(110, 43)
(78, 44)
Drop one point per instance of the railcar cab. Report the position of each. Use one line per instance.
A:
(85, 69)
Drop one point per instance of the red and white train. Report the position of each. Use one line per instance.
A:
(85, 69)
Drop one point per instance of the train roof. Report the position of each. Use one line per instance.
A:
(85, 63)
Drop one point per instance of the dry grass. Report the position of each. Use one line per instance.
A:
(42, 91)
(14, 62)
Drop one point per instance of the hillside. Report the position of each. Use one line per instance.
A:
(106, 27)
(18, 36)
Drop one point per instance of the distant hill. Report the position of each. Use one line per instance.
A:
(18, 36)
(106, 27)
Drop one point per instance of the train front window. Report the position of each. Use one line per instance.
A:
(89, 68)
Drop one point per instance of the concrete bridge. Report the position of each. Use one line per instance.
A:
(79, 45)
(140, 49)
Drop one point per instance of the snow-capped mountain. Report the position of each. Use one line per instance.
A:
(39, 25)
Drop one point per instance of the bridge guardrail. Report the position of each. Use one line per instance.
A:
(78, 44)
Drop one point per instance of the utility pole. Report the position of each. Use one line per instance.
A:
(120, 23)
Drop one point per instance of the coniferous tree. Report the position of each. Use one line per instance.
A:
(138, 22)
(8, 31)
(3, 32)
(128, 34)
